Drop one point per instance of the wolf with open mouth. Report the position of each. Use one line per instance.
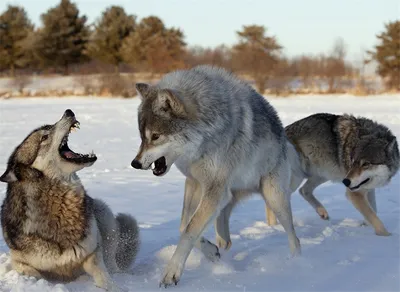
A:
(229, 143)
(53, 228)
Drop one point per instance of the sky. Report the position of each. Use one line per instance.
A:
(301, 26)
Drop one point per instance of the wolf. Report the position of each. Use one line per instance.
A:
(359, 152)
(53, 228)
(227, 140)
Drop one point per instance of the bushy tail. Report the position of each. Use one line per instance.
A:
(129, 241)
(298, 172)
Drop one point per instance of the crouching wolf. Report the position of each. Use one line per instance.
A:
(227, 140)
(53, 228)
(358, 152)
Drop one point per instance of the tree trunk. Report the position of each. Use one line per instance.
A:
(331, 84)
(66, 69)
(260, 83)
(12, 70)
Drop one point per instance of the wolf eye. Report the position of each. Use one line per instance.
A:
(44, 137)
(366, 164)
(155, 137)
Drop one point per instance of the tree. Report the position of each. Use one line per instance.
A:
(15, 27)
(256, 54)
(109, 33)
(335, 65)
(62, 39)
(387, 55)
(153, 47)
(219, 56)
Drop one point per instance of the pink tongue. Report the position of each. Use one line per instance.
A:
(69, 154)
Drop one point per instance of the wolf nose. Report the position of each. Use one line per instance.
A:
(136, 164)
(346, 182)
(69, 114)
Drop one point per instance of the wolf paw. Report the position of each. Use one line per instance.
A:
(323, 213)
(172, 275)
(210, 250)
(222, 243)
(382, 233)
(111, 287)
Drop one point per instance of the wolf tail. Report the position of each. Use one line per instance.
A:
(129, 241)
(298, 172)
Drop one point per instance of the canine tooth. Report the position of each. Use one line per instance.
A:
(153, 166)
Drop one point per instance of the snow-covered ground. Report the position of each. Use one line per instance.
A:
(338, 255)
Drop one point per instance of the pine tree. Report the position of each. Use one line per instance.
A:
(387, 54)
(153, 47)
(62, 39)
(14, 29)
(256, 54)
(110, 31)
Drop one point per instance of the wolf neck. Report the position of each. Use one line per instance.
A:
(61, 176)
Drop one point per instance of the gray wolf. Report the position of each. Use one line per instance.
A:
(227, 140)
(53, 228)
(360, 153)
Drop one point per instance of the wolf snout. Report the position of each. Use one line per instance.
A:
(346, 182)
(69, 114)
(136, 164)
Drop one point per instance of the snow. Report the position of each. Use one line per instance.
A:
(337, 255)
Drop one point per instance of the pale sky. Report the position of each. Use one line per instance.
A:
(301, 26)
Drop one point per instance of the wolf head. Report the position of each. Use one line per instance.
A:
(374, 161)
(46, 149)
(163, 119)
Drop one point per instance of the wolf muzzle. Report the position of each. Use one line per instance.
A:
(346, 182)
(136, 164)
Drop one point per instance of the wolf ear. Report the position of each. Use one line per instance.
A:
(8, 176)
(168, 102)
(392, 143)
(142, 89)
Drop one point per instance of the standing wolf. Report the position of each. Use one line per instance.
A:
(227, 140)
(53, 228)
(358, 152)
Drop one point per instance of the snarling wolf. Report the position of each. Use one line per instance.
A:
(360, 153)
(53, 228)
(227, 140)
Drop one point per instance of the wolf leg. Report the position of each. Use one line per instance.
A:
(307, 192)
(214, 193)
(95, 267)
(372, 200)
(360, 202)
(295, 182)
(25, 269)
(222, 231)
(276, 194)
(372, 203)
(191, 200)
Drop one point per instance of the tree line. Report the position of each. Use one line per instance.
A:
(66, 43)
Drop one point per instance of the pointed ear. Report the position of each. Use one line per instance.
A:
(169, 103)
(391, 144)
(8, 176)
(142, 89)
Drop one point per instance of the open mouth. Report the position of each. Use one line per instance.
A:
(357, 186)
(67, 154)
(159, 167)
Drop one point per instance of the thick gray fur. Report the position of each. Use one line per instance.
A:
(227, 140)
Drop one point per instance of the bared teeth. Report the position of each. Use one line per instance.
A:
(74, 127)
(153, 166)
